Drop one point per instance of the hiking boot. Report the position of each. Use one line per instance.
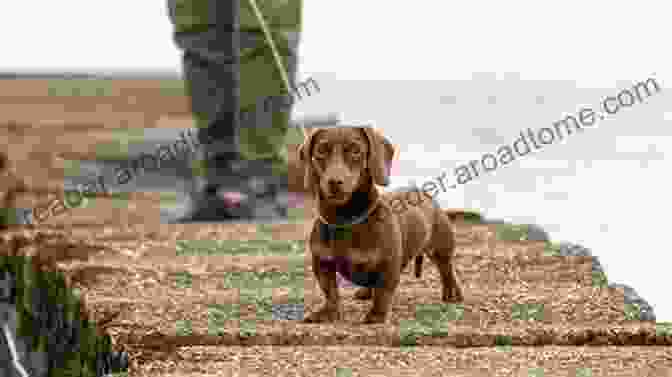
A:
(235, 189)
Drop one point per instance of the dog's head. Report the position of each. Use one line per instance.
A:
(338, 160)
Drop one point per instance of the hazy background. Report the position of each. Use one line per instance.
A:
(448, 83)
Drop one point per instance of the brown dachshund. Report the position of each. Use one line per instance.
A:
(357, 233)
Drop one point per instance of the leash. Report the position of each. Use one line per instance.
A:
(276, 56)
(288, 87)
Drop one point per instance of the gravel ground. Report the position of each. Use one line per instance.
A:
(630, 295)
(371, 361)
(535, 233)
(567, 249)
(150, 316)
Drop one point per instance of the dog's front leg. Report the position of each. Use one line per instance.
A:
(325, 272)
(384, 295)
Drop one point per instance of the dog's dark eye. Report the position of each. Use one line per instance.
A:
(321, 150)
(354, 151)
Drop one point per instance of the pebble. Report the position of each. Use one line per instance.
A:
(287, 312)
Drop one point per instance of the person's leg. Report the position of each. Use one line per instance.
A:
(265, 100)
(229, 70)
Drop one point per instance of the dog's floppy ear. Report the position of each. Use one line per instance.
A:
(304, 156)
(381, 154)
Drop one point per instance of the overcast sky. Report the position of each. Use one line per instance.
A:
(595, 42)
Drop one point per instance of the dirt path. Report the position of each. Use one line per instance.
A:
(552, 361)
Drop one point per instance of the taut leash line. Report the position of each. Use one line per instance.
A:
(276, 55)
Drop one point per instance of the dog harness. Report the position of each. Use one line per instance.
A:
(343, 267)
(330, 232)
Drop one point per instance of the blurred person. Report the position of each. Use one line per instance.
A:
(241, 171)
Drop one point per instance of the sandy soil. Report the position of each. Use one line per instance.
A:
(128, 266)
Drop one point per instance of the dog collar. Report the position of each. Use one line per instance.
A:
(329, 231)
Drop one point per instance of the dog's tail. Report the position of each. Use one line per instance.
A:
(463, 215)
(418, 265)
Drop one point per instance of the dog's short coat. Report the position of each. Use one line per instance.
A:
(357, 233)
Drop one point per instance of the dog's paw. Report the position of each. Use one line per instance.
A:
(453, 295)
(453, 299)
(375, 317)
(364, 294)
(323, 315)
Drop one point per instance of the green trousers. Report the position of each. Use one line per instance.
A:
(230, 72)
